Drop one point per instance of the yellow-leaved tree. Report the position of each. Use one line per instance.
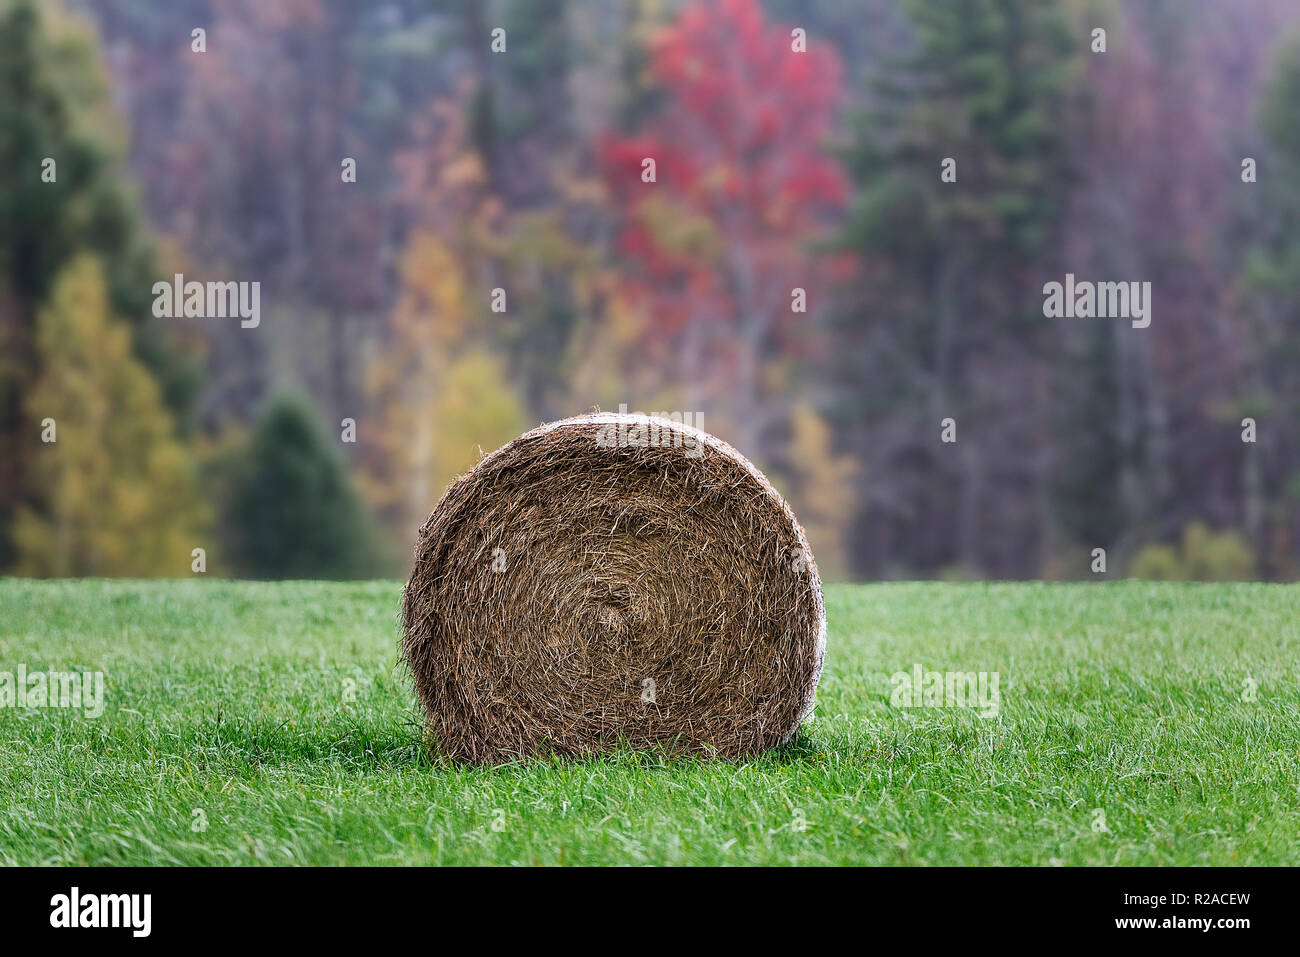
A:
(112, 491)
(438, 395)
(822, 492)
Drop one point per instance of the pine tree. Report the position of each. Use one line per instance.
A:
(947, 264)
(1271, 469)
(55, 105)
(118, 492)
(1089, 485)
(291, 510)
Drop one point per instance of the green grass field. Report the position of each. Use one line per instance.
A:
(276, 715)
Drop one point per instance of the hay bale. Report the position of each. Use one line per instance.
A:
(610, 579)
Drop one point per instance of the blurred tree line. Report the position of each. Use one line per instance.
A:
(500, 259)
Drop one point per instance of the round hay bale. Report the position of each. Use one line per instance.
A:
(611, 580)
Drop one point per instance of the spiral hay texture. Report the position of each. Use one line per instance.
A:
(612, 580)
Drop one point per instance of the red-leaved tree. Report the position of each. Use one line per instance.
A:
(719, 241)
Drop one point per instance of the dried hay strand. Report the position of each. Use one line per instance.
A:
(613, 580)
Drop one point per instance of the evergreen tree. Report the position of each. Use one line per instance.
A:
(291, 510)
(949, 250)
(1089, 485)
(61, 194)
(1271, 476)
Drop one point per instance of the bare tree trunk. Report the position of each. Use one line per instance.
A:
(941, 407)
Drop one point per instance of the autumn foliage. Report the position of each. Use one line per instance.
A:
(742, 173)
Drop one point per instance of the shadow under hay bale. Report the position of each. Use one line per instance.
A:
(613, 579)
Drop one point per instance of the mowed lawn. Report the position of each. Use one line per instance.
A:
(252, 723)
